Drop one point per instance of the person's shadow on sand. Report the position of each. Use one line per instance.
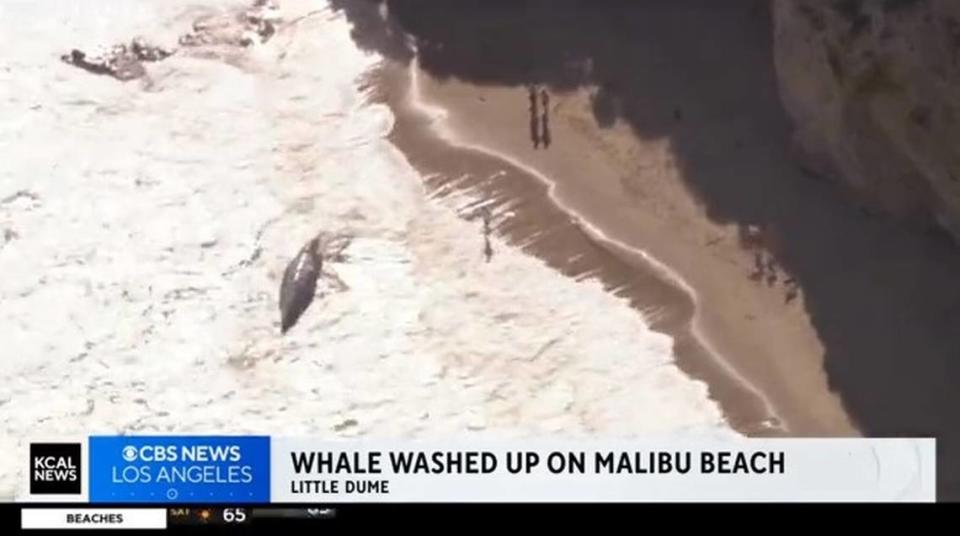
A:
(545, 130)
(535, 132)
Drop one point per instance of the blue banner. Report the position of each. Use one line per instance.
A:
(180, 469)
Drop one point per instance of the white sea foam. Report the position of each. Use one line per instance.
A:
(149, 227)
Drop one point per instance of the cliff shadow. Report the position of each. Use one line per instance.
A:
(885, 300)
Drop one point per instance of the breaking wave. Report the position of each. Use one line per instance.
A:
(145, 227)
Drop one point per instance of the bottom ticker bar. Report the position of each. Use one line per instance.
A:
(93, 518)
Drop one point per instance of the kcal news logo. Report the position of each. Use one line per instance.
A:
(55, 469)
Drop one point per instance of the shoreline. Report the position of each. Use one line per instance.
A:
(688, 155)
(686, 326)
(542, 226)
(782, 357)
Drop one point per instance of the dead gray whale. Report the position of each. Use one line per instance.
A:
(301, 277)
(299, 285)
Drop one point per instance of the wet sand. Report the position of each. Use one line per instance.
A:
(737, 334)
(481, 164)
(678, 152)
(525, 216)
(608, 197)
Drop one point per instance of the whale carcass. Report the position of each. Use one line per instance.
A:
(299, 284)
(300, 279)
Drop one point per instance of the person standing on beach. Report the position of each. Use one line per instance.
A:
(793, 289)
(771, 270)
(758, 267)
(534, 126)
(535, 131)
(487, 247)
(545, 118)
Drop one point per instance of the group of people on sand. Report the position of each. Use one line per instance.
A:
(125, 62)
(539, 122)
(766, 269)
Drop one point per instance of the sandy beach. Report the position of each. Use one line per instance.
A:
(600, 202)
(683, 154)
(705, 265)
(143, 278)
(559, 221)
(526, 215)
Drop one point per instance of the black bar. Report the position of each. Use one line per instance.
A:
(317, 517)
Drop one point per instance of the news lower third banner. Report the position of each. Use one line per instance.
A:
(275, 470)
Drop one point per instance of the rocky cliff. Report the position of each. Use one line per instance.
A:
(873, 88)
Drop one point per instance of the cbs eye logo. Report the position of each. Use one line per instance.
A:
(129, 453)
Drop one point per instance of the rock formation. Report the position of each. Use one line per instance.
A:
(873, 88)
(125, 62)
